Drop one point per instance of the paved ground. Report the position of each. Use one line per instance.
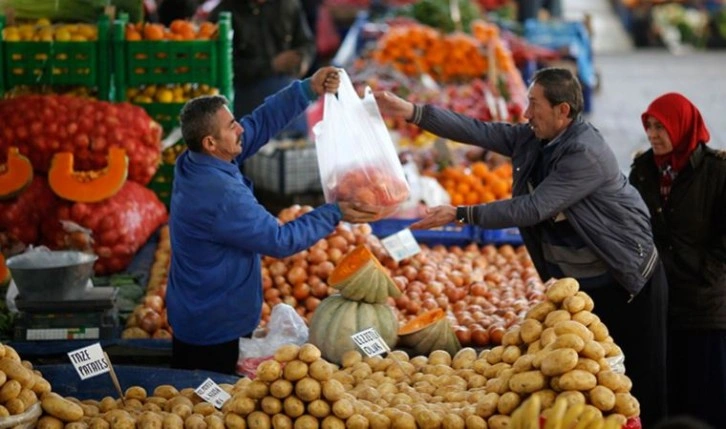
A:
(631, 78)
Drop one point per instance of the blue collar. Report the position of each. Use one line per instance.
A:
(208, 160)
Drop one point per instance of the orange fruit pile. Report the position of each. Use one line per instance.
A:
(178, 30)
(477, 184)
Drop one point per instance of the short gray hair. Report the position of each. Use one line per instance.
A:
(197, 119)
(561, 86)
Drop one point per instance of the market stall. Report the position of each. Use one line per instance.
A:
(469, 336)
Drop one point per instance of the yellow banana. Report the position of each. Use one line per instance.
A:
(530, 414)
(557, 413)
(572, 415)
(515, 422)
(586, 417)
(611, 423)
(598, 423)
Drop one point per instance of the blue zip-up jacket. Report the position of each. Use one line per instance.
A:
(218, 230)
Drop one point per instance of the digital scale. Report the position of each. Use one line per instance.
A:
(91, 316)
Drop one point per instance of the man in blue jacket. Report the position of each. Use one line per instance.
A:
(218, 229)
(578, 216)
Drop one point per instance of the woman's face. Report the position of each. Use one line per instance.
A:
(658, 136)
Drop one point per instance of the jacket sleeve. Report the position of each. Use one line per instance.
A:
(498, 137)
(577, 174)
(272, 116)
(245, 224)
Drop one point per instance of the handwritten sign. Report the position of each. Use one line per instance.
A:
(212, 393)
(401, 245)
(89, 361)
(370, 341)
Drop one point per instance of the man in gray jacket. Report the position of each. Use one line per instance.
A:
(577, 214)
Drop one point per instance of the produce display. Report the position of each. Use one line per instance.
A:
(43, 31)
(171, 93)
(42, 125)
(20, 387)
(178, 30)
(558, 356)
(535, 370)
(483, 289)
(476, 184)
(149, 319)
(429, 332)
(73, 177)
(364, 287)
(118, 225)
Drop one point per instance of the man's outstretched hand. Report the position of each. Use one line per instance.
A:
(326, 79)
(435, 217)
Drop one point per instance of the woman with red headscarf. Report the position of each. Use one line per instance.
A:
(683, 182)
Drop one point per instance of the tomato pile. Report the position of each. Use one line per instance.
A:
(119, 225)
(41, 125)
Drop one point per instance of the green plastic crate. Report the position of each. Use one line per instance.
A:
(166, 114)
(161, 183)
(58, 63)
(146, 62)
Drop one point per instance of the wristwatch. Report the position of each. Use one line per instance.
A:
(461, 214)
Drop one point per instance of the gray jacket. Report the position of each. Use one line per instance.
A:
(582, 181)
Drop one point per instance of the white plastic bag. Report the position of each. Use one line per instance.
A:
(356, 156)
(285, 327)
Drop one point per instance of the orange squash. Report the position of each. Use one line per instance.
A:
(88, 186)
(15, 175)
(428, 332)
(360, 277)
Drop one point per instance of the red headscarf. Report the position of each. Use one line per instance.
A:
(684, 125)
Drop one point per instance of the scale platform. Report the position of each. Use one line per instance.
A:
(93, 316)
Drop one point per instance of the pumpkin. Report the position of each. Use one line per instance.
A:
(337, 318)
(15, 175)
(88, 186)
(360, 277)
(428, 332)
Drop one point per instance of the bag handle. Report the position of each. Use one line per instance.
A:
(346, 90)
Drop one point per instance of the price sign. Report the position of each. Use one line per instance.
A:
(89, 361)
(370, 341)
(212, 393)
(401, 245)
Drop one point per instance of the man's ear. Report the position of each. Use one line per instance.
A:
(564, 110)
(208, 144)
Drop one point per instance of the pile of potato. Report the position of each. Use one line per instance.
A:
(556, 356)
(20, 385)
(560, 352)
(167, 408)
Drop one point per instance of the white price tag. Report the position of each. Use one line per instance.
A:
(401, 245)
(89, 361)
(370, 341)
(212, 393)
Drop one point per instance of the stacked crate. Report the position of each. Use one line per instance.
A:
(140, 63)
(57, 63)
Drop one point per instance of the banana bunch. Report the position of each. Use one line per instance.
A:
(563, 415)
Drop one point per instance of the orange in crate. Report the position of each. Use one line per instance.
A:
(477, 185)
